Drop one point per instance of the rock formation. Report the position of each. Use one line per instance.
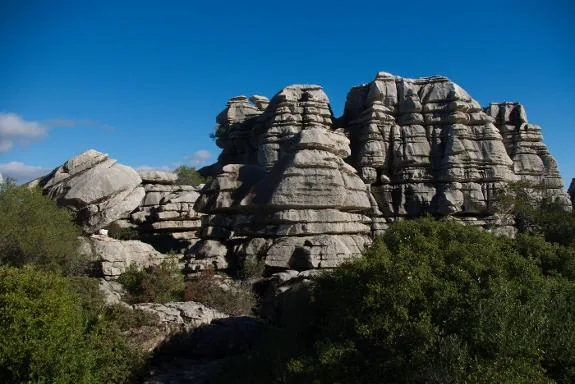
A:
(113, 257)
(306, 211)
(532, 162)
(425, 146)
(166, 217)
(97, 189)
(300, 189)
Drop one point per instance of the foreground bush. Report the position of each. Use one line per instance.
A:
(431, 302)
(34, 230)
(51, 334)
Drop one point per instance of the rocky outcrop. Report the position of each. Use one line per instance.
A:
(166, 217)
(96, 189)
(113, 257)
(532, 162)
(181, 316)
(425, 146)
(306, 211)
(220, 200)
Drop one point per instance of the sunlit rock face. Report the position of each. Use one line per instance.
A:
(98, 190)
(425, 146)
(301, 189)
(532, 162)
(294, 202)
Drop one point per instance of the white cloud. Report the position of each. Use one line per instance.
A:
(14, 130)
(22, 172)
(199, 157)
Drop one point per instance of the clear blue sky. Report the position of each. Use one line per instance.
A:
(144, 80)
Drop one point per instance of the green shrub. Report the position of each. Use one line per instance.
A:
(48, 336)
(159, 283)
(121, 233)
(235, 300)
(34, 230)
(433, 302)
(188, 176)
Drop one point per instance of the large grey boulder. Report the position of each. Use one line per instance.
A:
(113, 257)
(97, 189)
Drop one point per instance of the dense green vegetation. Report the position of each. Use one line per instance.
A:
(433, 302)
(55, 327)
(188, 176)
(33, 230)
(51, 334)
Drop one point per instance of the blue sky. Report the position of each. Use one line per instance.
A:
(144, 80)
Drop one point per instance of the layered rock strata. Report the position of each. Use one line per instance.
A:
(425, 146)
(220, 200)
(532, 162)
(98, 190)
(306, 211)
(113, 257)
(166, 217)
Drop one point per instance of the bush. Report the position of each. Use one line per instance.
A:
(188, 176)
(236, 300)
(49, 337)
(433, 302)
(158, 284)
(34, 230)
(118, 232)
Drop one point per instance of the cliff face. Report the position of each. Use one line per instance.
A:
(413, 147)
(300, 189)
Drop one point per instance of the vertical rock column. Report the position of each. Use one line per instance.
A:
(532, 162)
(307, 213)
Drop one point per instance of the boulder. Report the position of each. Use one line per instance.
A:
(113, 257)
(96, 189)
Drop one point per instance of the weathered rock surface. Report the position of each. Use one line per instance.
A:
(165, 217)
(220, 200)
(425, 146)
(97, 189)
(182, 316)
(532, 162)
(305, 212)
(115, 256)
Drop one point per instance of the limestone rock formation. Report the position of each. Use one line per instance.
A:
(97, 189)
(532, 162)
(220, 201)
(306, 211)
(113, 257)
(166, 217)
(425, 146)
(184, 315)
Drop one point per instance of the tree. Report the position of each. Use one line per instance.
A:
(434, 302)
(188, 176)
